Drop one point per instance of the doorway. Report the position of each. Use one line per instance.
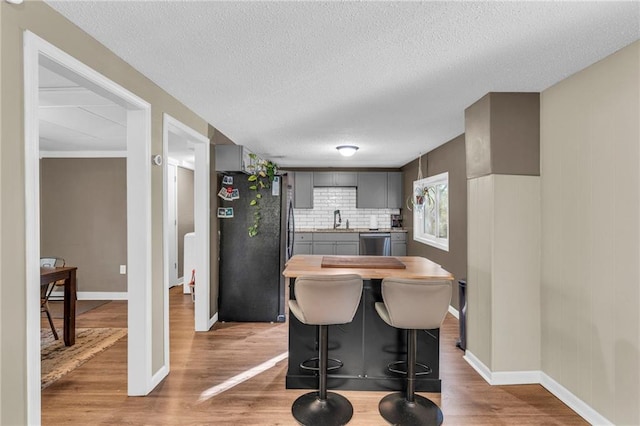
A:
(141, 377)
(190, 147)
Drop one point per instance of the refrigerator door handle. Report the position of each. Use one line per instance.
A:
(291, 230)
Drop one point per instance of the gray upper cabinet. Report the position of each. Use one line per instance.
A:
(303, 190)
(379, 190)
(335, 179)
(394, 190)
(372, 190)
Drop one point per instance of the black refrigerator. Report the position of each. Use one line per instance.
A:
(251, 285)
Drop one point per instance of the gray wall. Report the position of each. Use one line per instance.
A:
(83, 205)
(449, 157)
(503, 135)
(185, 200)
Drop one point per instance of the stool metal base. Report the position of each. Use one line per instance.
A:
(310, 410)
(392, 368)
(304, 365)
(395, 409)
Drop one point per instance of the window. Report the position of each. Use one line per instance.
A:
(431, 211)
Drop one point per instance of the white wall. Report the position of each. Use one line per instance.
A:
(590, 291)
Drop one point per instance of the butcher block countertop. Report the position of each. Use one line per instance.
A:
(368, 267)
(385, 262)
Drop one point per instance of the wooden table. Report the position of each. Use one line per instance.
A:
(68, 274)
(367, 344)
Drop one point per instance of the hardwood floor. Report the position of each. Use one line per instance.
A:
(96, 393)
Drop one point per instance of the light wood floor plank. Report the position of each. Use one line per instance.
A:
(96, 393)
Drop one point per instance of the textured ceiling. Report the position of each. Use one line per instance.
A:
(292, 80)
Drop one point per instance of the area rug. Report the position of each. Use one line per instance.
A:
(58, 359)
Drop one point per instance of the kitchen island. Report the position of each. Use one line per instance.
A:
(366, 345)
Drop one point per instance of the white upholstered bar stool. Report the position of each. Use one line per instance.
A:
(412, 304)
(324, 301)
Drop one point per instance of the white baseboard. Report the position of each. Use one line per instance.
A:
(213, 320)
(95, 295)
(575, 403)
(453, 311)
(538, 377)
(158, 377)
(502, 377)
(477, 365)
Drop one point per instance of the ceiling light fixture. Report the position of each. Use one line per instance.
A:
(14, 1)
(347, 150)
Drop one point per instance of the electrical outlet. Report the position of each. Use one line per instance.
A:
(123, 269)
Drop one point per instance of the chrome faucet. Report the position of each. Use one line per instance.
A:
(337, 219)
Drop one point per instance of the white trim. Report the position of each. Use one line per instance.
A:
(477, 365)
(96, 295)
(515, 377)
(419, 233)
(213, 320)
(180, 163)
(32, 224)
(453, 311)
(160, 375)
(583, 409)
(83, 154)
(501, 377)
(38, 51)
(202, 320)
(139, 285)
(575, 403)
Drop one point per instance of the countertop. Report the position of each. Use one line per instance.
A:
(354, 230)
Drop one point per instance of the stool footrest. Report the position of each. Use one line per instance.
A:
(304, 365)
(392, 368)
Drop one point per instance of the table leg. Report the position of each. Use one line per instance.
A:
(70, 309)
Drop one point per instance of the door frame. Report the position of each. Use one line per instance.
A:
(140, 377)
(171, 230)
(203, 320)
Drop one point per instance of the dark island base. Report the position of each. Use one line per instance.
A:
(391, 384)
(366, 346)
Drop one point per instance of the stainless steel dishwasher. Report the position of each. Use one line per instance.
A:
(375, 244)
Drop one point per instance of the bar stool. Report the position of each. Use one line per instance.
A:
(412, 304)
(324, 301)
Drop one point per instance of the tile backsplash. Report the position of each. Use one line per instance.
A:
(326, 200)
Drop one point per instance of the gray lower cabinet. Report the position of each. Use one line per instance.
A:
(336, 243)
(303, 243)
(398, 244)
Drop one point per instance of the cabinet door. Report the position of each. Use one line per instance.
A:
(372, 190)
(323, 179)
(345, 178)
(347, 248)
(394, 190)
(303, 190)
(398, 248)
(324, 247)
(302, 243)
(302, 248)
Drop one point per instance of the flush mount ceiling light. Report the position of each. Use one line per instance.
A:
(347, 150)
(14, 1)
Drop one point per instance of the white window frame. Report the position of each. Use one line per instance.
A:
(419, 233)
